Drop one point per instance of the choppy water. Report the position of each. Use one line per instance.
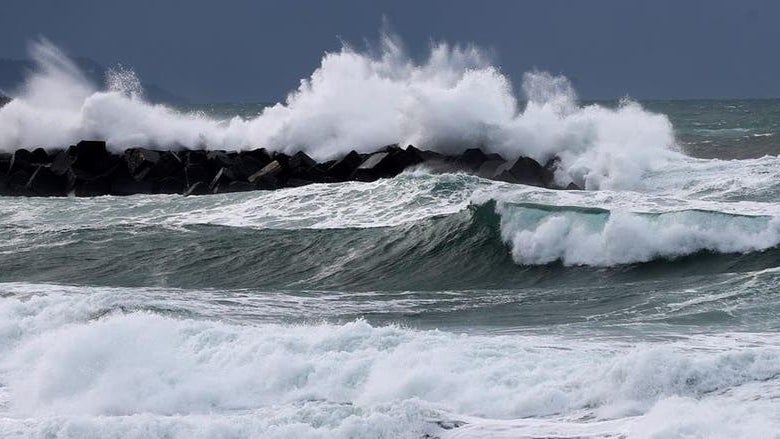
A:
(421, 306)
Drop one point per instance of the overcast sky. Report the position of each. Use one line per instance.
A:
(244, 50)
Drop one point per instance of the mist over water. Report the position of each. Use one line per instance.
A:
(452, 100)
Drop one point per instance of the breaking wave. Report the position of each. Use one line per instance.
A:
(416, 231)
(544, 234)
(452, 100)
(122, 371)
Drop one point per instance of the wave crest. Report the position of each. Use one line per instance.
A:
(604, 238)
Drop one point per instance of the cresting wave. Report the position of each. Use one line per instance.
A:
(541, 235)
(436, 231)
(135, 374)
(452, 100)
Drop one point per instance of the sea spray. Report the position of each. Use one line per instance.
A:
(452, 100)
(604, 238)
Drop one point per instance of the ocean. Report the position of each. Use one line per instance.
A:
(422, 306)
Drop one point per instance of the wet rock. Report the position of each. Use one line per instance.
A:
(270, 171)
(61, 162)
(302, 168)
(240, 166)
(218, 179)
(5, 163)
(122, 183)
(315, 174)
(371, 169)
(297, 182)
(260, 155)
(195, 157)
(432, 156)
(169, 165)
(171, 185)
(45, 183)
(387, 164)
(17, 182)
(39, 156)
(523, 170)
(195, 173)
(240, 186)
(89, 169)
(140, 162)
(93, 187)
(90, 159)
(573, 187)
(344, 167)
(471, 159)
(220, 159)
(4, 100)
(405, 158)
(21, 159)
(198, 188)
(241, 170)
(281, 157)
(301, 160)
(489, 167)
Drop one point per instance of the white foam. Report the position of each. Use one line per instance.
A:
(633, 227)
(452, 100)
(620, 237)
(388, 202)
(68, 367)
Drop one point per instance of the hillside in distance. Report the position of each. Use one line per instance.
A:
(13, 73)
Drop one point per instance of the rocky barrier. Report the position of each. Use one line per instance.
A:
(89, 169)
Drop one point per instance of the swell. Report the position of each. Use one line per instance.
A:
(476, 248)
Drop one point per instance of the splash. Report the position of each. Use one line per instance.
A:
(124, 80)
(452, 100)
(607, 238)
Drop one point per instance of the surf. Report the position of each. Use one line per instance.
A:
(270, 378)
(449, 101)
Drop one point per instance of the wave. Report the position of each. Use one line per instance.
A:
(64, 371)
(452, 100)
(417, 231)
(462, 251)
(597, 237)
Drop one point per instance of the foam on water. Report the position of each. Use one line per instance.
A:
(605, 238)
(452, 100)
(540, 226)
(67, 367)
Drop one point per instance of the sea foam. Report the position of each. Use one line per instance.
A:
(606, 238)
(453, 99)
(67, 366)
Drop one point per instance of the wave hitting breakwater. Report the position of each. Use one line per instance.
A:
(453, 100)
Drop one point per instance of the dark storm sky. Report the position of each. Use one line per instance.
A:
(241, 50)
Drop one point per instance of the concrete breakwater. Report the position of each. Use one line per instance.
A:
(88, 168)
